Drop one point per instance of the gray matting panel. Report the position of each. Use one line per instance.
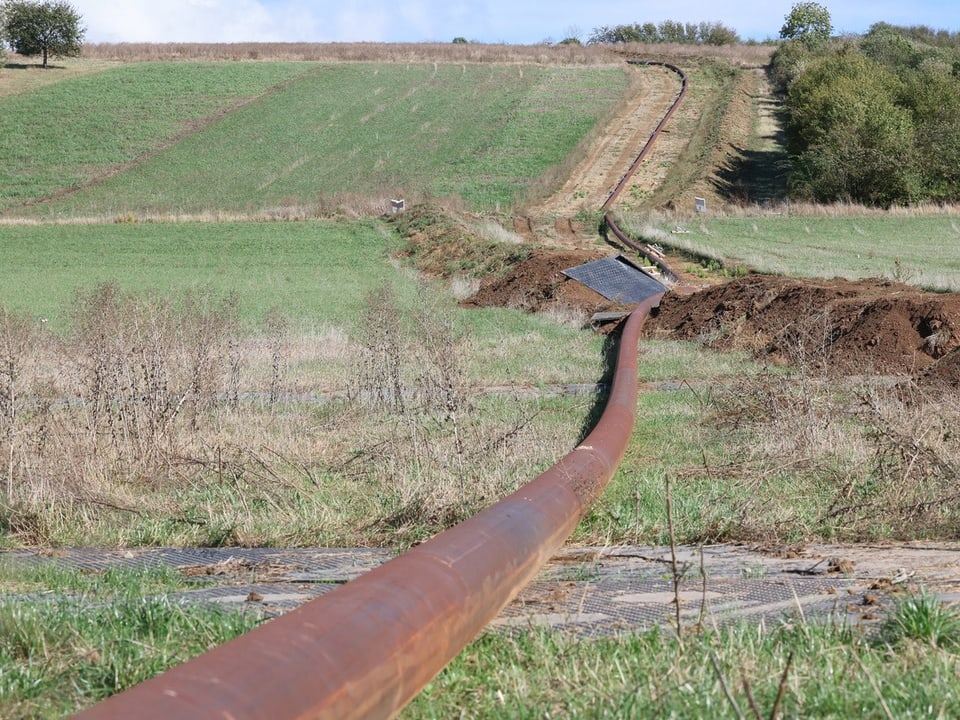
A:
(617, 279)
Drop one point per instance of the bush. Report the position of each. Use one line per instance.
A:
(849, 138)
(873, 120)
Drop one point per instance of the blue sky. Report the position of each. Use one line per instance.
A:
(491, 21)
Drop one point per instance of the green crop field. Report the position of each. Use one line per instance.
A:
(480, 132)
(68, 133)
(315, 270)
(921, 250)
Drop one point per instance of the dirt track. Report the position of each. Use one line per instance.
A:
(653, 90)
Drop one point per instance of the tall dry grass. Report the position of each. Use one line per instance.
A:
(785, 208)
(154, 420)
(343, 205)
(354, 52)
(816, 455)
(138, 384)
(433, 460)
(745, 55)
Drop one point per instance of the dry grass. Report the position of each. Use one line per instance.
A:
(680, 216)
(154, 421)
(354, 52)
(743, 56)
(22, 74)
(491, 230)
(814, 455)
(345, 205)
(434, 460)
(142, 398)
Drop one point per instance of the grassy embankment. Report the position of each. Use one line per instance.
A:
(919, 248)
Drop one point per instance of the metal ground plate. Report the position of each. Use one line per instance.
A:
(586, 590)
(617, 279)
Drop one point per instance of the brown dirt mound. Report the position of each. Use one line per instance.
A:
(537, 284)
(865, 326)
(944, 373)
(842, 326)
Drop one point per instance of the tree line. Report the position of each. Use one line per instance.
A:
(874, 118)
(668, 31)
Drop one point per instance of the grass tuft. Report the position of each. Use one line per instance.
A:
(923, 618)
(69, 638)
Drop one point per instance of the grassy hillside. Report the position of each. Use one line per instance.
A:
(480, 132)
(68, 133)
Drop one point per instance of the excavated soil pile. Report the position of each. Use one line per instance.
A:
(858, 327)
(537, 284)
(945, 372)
(847, 327)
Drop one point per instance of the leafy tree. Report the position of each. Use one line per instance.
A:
(672, 31)
(47, 28)
(874, 119)
(624, 34)
(931, 92)
(717, 34)
(848, 137)
(808, 22)
(669, 31)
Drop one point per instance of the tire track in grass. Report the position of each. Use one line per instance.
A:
(595, 176)
(191, 128)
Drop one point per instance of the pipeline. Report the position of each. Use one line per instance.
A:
(367, 648)
(615, 193)
(608, 222)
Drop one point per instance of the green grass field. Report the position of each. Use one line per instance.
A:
(920, 250)
(480, 132)
(317, 271)
(68, 133)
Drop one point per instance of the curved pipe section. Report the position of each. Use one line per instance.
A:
(367, 648)
(654, 135)
(608, 222)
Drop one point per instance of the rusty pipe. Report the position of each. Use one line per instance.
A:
(608, 221)
(667, 271)
(654, 135)
(367, 648)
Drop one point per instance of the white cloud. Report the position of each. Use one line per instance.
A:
(177, 20)
(519, 21)
(361, 21)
